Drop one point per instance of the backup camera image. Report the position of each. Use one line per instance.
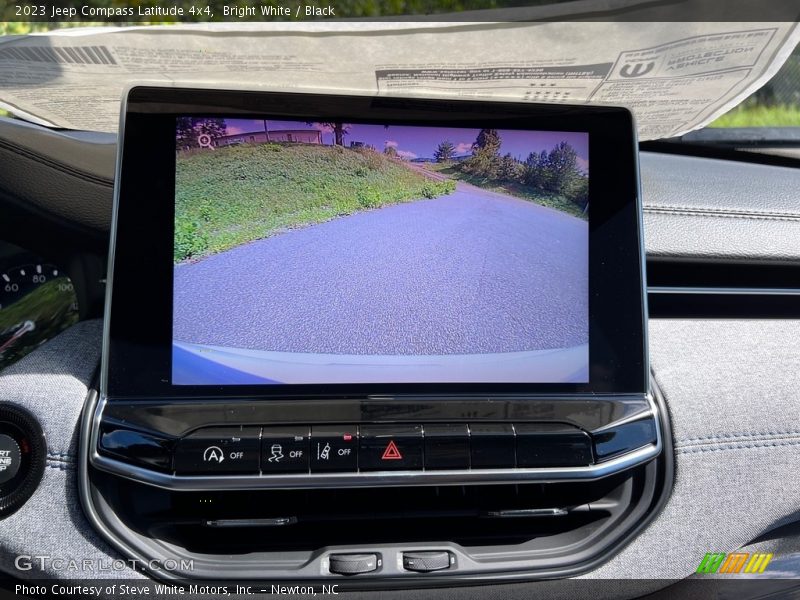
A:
(325, 253)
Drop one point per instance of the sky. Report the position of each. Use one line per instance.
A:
(421, 142)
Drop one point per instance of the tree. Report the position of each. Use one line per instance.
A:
(485, 159)
(534, 171)
(445, 151)
(557, 172)
(213, 127)
(390, 151)
(188, 129)
(579, 192)
(487, 140)
(562, 168)
(184, 133)
(339, 131)
(510, 168)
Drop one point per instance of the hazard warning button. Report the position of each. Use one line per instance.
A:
(390, 448)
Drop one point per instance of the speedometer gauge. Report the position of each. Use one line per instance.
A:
(37, 301)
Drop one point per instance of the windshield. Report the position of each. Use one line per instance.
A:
(677, 77)
(777, 104)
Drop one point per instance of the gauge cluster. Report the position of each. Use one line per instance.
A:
(37, 301)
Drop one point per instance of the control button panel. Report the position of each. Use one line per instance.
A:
(334, 449)
(285, 449)
(390, 447)
(219, 450)
(315, 449)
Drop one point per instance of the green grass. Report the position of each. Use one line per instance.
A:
(10, 27)
(512, 189)
(759, 115)
(231, 196)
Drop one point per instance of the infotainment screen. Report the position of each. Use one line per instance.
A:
(343, 252)
(292, 246)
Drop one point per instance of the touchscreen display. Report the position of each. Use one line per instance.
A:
(316, 253)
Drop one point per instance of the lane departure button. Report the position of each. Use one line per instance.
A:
(284, 450)
(446, 447)
(492, 446)
(217, 450)
(334, 448)
(552, 445)
(390, 448)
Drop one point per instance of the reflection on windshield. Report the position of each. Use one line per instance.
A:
(660, 70)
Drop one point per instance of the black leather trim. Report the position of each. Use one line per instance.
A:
(711, 210)
(55, 188)
(57, 165)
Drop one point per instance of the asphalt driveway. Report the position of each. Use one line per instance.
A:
(472, 272)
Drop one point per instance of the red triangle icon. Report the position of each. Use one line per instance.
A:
(391, 452)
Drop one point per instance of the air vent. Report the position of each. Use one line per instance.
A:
(531, 529)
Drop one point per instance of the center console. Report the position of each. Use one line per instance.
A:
(375, 341)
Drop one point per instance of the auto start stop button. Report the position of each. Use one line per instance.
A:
(10, 458)
(22, 456)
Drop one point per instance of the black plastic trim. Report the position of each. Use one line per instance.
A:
(662, 469)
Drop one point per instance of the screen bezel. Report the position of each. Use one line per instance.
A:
(138, 343)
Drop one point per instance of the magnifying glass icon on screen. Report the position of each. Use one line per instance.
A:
(204, 140)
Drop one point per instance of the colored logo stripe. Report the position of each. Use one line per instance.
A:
(714, 562)
(758, 562)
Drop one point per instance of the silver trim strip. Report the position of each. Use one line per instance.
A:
(370, 479)
(642, 265)
(84, 492)
(724, 291)
(624, 421)
(234, 523)
(527, 512)
(112, 244)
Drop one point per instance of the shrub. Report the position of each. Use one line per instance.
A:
(434, 189)
(368, 198)
(448, 186)
(373, 160)
(189, 240)
(206, 213)
(578, 192)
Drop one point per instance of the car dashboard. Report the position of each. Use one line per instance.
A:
(724, 340)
